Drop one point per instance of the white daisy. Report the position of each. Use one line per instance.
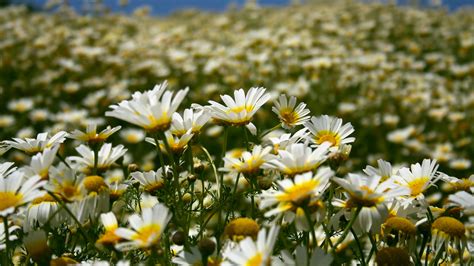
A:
(107, 155)
(16, 190)
(147, 228)
(240, 110)
(249, 163)
(151, 110)
(330, 129)
(289, 114)
(250, 252)
(91, 134)
(418, 177)
(384, 170)
(41, 142)
(151, 180)
(41, 162)
(190, 120)
(298, 158)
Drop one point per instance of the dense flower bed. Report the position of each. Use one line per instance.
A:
(349, 142)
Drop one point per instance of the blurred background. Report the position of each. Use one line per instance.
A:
(167, 7)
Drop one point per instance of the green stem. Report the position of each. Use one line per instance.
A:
(348, 227)
(246, 138)
(7, 241)
(95, 147)
(270, 130)
(374, 246)
(81, 230)
(160, 154)
(311, 226)
(175, 172)
(359, 247)
(438, 256)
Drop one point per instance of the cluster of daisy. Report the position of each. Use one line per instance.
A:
(277, 196)
(396, 73)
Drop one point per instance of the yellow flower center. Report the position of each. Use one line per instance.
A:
(289, 117)
(328, 136)
(154, 186)
(160, 124)
(449, 226)
(145, 233)
(45, 198)
(69, 190)
(240, 228)
(108, 238)
(418, 185)
(241, 108)
(94, 183)
(298, 192)
(9, 199)
(256, 260)
(400, 224)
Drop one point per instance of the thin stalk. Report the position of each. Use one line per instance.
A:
(356, 238)
(246, 138)
(270, 130)
(310, 224)
(209, 158)
(175, 169)
(95, 148)
(348, 227)
(69, 212)
(160, 154)
(436, 259)
(374, 246)
(328, 238)
(7, 241)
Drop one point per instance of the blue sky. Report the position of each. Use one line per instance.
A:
(165, 7)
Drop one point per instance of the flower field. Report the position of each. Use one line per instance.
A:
(316, 134)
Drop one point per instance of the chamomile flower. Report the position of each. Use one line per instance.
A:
(41, 162)
(418, 177)
(298, 158)
(91, 135)
(191, 120)
(300, 192)
(289, 114)
(132, 135)
(176, 144)
(383, 170)
(40, 211)
(448, 232)
(151, 180)
(368, 191)
(240, 110)
(249, 163)
(146, 228)
(152, 110)
(41, 142)
(240, 228)
(464, 200)
(330, 129)
(64, 181)
(253, 252)
(16, 190)
(107, 156)
(109, 221)
(283, 141)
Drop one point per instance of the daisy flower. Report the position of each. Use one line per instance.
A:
(16, 190)
(151, 180)
(41, 142)
(240, 228)
(283, 141)
(448, 232)
(330, 129)
(147, 228)
(176, 144)
(249, 163)
(190, 120)
(110, 225)
(240, 110)
(418, 177)
(151, 110)
(64, 182)
(250, 252)
(464, 200)
(298, 158)
(383, 170)
(40, 211)
(132, 135)
(292, 194)
(41, 162)
(91, 135)
(368, 191)
(107, 155)
(289, 114)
